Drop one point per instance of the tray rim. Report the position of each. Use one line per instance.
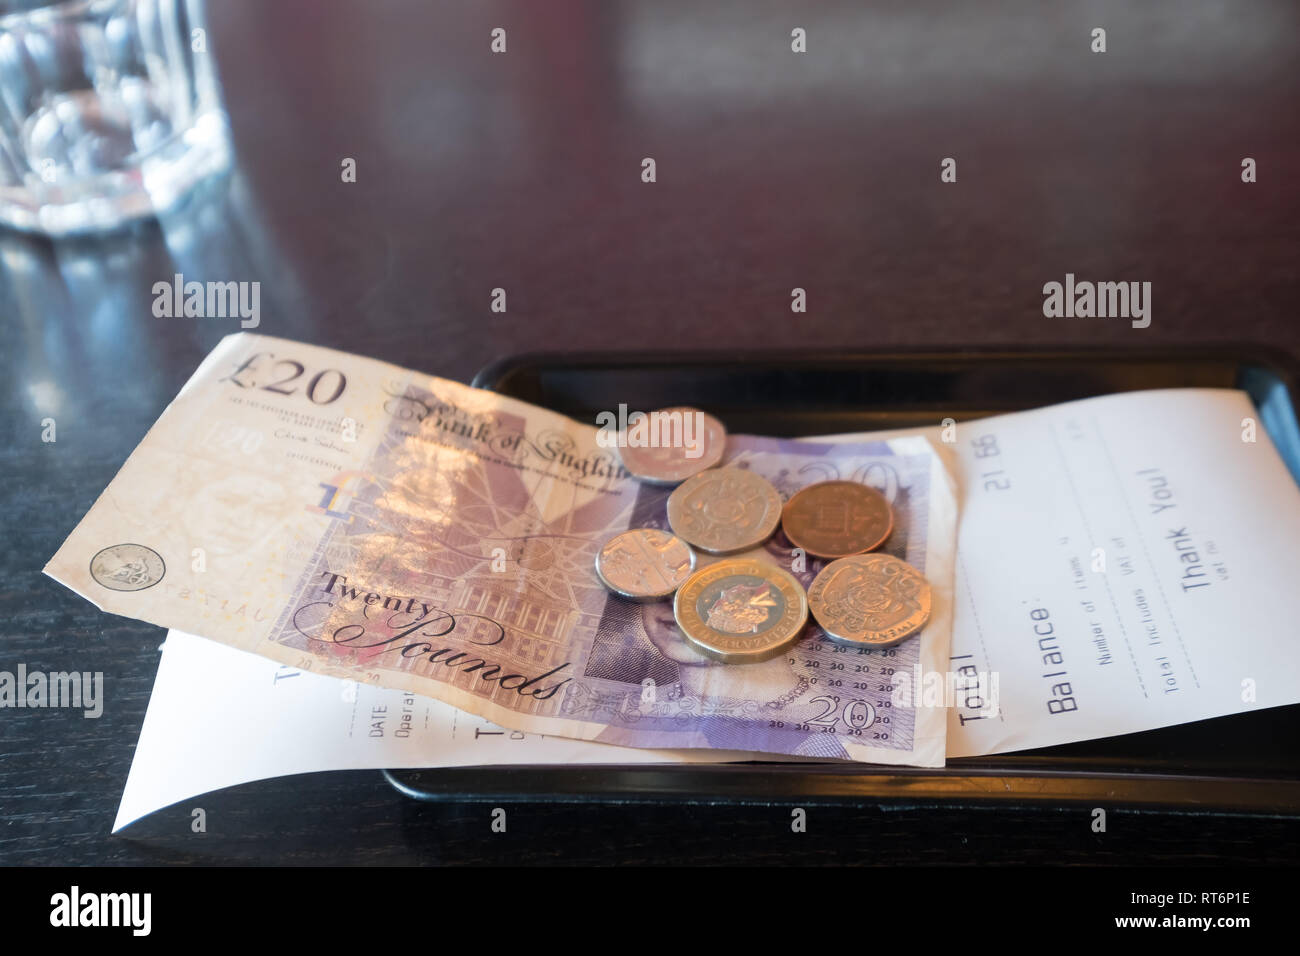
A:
(756, 783)
(1282, 362)
(956, 784)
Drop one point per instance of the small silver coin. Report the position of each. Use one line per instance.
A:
(644, 564)
(669, 445)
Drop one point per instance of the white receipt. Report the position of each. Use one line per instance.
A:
(1124, 563)
(220, 717)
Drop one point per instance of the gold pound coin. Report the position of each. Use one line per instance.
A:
(725, 510)
(869, 600)
(741, 611)
(833, 519)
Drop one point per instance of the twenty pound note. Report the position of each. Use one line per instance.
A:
(344, 516)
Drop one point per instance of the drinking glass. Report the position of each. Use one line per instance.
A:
(109, 111)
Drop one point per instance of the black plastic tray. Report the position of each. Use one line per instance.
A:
(1242, 764)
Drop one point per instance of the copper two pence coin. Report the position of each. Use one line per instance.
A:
(869, 600)
(833, 519)
(669, 445)
(724, 510)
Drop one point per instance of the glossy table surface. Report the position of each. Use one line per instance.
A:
(522, 171)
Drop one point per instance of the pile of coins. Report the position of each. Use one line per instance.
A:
(741, 610)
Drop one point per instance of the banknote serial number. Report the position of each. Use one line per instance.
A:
(283, 377)
(987, 451)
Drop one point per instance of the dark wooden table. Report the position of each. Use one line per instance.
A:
(523, 171)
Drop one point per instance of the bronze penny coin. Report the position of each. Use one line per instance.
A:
(833, 519)
(871, 600)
